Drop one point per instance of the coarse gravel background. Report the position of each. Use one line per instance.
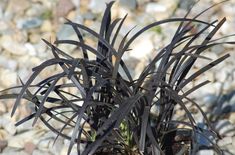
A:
(23, 23)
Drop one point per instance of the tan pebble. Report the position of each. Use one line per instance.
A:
(47, 26)
(3, 144)
(3, 134)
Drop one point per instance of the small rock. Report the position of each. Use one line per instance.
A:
(3, 134)
(228, 9)
(98, 6)
(3, 108)
(225, 128)
(64, 7)
(232, 118)
(8, 63)
(131, 4)
(8, 125)
(35, 10)
(12, 46)
(18, 152)
(3, 144)
(142, 48)
(3, 27)
(30, 49)
(76, 3)
(233, 141)
(24, 73)
(186, 4)
(8, 78)
(218, 50)
(74, 149)
(26, 126)
(16, 6)
(45, 144)
(19, 140)
(209, 100)
(155, 7)
(34, 38)
(10, 150)
(46, 26)
(66, 32)
(88, 16)
(29, 23)
(228, 150)
(161, 10)
(40, 152)
(225, 141)
(71, 15)
(205, 152)
(29, 147)
(56, 148)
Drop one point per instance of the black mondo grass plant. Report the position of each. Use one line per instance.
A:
(109, 112)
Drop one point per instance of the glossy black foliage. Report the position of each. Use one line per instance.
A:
(109, 112)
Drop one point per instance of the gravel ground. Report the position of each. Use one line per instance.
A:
(24, 22)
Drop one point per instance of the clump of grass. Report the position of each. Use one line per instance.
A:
(47, 14)
(111, 113)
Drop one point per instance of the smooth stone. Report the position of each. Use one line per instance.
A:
(225, 141)
(8, 63)
(155, 7)
(229, 150)
(232, 118)
(41, 49)
(130, 4)
(35, 10)
(76, 3)
(74, 149)
(56, 148)
(8, 125)
(46, 26)
(29, 147)
(228, 9)
(233, 141)
(98, 6)
(218, 50)
(89, 16)
(40, 152)
(64, 7)
(66, 32)
(209, 100)
(1, 12)
(8, 78)
(4, 27)
(186, 4)
(17, 7)
(29, 23)
(34, 38)
(205, 152)
(45, 144)
(15, 153)
(162, 9)
(225, 128)
(3, 107)
(142, 48)
(3, 144)
(26, 126)
(24, 73)
(30, 49)
(19, 140)
(12, 46)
